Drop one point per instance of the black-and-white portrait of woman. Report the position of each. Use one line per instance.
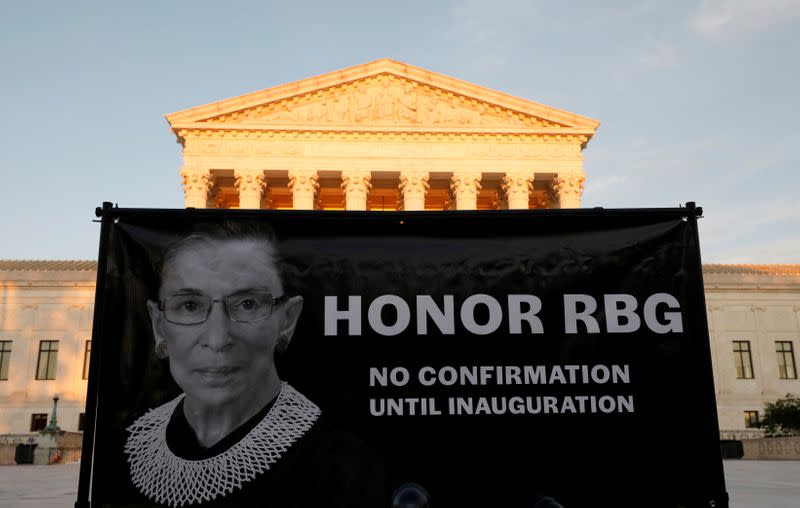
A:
(238, 435)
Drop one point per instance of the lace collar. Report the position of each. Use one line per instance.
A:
(168, 479)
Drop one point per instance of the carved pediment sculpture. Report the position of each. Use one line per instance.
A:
(383, 100)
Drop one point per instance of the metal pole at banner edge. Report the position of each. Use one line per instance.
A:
(695, 212)
(87, 458)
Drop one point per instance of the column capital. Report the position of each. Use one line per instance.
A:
(251, 179)
(356, 185)
(196, 177)
(517, 187)
(465, 186)
(197, 184)
(250, 182)
(413, 186)
(304, 184)
(414, 181)
(303, 180)
(569, 188)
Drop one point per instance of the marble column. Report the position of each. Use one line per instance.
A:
(568, 188)
(413, 187)
(356, 185)
(304, 184)
(517, 187)
(197, 184)
(465, 186)
(251, 183)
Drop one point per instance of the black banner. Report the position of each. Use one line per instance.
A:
(292, 359)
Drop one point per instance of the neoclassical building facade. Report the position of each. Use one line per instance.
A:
(754, 327)
(46, 310)
(381, 136)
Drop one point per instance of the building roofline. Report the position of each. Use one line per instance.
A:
(48, 265)
(751, 269)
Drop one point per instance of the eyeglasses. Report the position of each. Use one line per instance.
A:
(242, 307)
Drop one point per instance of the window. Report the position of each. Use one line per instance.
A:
(81, 421)
(48, 359)
(38, 421)
(5, 358)
(87, 352)
(751, 419)
(743, 360)
(785, 352)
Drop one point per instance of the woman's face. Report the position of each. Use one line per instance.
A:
(220, 361)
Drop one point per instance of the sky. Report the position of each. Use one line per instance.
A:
(698, 100)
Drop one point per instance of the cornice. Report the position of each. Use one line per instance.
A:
(217, 127)
(211, 131)
(750, 281)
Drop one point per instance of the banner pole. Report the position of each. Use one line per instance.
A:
(84, 480)
(693, 213)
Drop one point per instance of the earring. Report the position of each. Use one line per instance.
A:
(161, 350)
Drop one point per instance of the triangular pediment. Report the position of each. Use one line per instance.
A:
(381, 94)
(383, 100)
